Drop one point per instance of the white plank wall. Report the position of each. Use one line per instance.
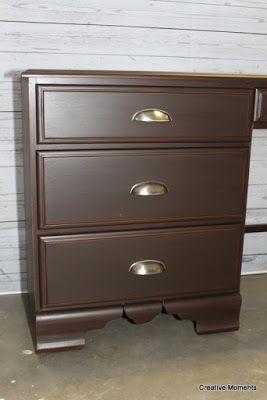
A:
(160, 35)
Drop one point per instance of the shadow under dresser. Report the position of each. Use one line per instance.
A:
(135, 187)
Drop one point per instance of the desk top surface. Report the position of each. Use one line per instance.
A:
(148, 77)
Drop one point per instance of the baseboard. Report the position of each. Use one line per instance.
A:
(253, 273)
(14, 292)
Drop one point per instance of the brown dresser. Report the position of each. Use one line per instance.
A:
(136, 190)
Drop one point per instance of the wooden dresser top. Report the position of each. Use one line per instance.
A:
(173, 78)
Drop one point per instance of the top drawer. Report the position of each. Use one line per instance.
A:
(71, 114)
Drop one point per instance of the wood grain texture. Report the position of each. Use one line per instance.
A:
(12, 257)
(10, 127)
(255, 243)
(257, 198)
(12, 207)
(255, 252)
(10, 96)
(13, 283)
(249, 16)
(12, 240)
(256, 216)
(257, 190)
(11, 148)
(257, 172)
(254, 263)
(11, 180)
(119, 40)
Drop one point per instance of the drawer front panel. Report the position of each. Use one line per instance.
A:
(95, 114)
(98, 188)
(99, 268)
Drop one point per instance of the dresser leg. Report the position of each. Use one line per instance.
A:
(211, 314)
(68, 342)
(65, 330)
(224, 324)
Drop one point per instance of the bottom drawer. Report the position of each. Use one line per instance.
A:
(127, 266)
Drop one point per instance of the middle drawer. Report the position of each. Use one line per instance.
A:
(122, 187)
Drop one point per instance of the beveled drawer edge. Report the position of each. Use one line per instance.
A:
(41, 193)
(41, 88)
(44, 240)
(230, 218)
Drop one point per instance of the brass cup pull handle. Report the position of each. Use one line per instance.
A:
(147, 267)
(152, 115)
(149, 189)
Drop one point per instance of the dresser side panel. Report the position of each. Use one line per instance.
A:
(30, 188)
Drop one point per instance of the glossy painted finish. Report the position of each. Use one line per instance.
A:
(94, 188)
(106, 114)
(96, 267)
(85, 229)
(146, 78)
(65, 330)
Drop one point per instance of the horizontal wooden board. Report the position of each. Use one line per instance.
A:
(13, 283)
(12, 207)
(259, 133)
(203, 15)
(257, 172)
(256, 263)
(10, 127)
(255, 253)
(11, 180)
(257, 190)
(257, 196)
(12, 236)
(10, 96)
(9, 267)
(11, 153)
(259, 146)
(117, 40)
(12, 257)
(12, 64)
(256, 216)
(11, 146)
(255, 243)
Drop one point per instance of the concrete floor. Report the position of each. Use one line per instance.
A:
(160, 360)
